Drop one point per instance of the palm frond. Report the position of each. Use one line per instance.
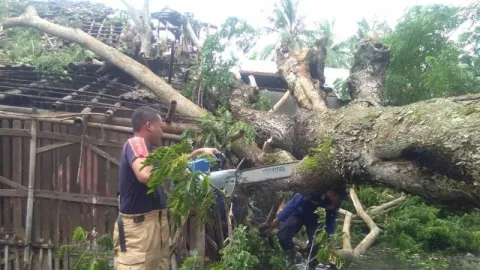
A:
(267, 52)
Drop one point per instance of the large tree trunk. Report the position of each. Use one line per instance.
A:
(428, 148)
(140, 72)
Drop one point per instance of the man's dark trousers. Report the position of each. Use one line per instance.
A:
(292, 226)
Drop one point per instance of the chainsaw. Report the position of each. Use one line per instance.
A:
(228, 179)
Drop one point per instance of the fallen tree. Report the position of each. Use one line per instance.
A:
(428, 148)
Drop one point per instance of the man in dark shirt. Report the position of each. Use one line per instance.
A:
(141, 234)
(300, 211)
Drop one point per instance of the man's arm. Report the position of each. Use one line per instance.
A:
(331, 220)
(144, 174)
(208, 151)
(289, 208)
(136, 152)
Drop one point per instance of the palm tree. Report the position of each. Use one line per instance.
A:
(339, 54)
(382, 29)
(290, 27)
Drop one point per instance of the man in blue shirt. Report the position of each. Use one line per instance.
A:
(141, 233)
(300, 211)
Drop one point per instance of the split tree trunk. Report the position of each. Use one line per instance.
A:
(429, 148)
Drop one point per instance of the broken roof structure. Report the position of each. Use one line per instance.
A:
(267, 75)
(61, 136)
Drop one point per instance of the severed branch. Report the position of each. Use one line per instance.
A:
(138, 71)
(374, 230)
(347, 243)
(347, 251)
(376, 210)
(280, 102)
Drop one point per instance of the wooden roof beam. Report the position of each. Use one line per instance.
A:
(79, 119)
(55, 106)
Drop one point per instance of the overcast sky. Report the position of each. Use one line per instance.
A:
(345, 12)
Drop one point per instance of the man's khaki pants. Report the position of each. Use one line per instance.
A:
(147, 242)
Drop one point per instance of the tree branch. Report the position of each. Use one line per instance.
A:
(303, 89)
(374, 230)
(141, 73)
(133, 13)
(379, 209)
(191, 33)
(280, 102)
(279, 127)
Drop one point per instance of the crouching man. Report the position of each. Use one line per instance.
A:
(300, 211)
(141, 234)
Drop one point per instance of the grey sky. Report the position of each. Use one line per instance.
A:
(345, 12)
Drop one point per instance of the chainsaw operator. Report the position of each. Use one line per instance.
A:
(300, 211)
(141, 234)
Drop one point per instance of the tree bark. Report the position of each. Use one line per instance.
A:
(191, 33)
(141, 73)
(367, 75)
(428, 148)
(143, 26)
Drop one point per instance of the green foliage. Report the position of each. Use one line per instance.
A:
(87, 254)
(326, 252)
(247, 251)
(213, 79)
(191, 193)
(79, 235)
(251, 251)
(341, 89)
(26, 46)
(424, 61)
(339, 54)
(217, 130)
(192, 262)
(263, 103)
(417, 228)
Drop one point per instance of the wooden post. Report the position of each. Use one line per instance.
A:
(252, 81)
(197, 237)
(171, 111)
(31, 186)
(172, 58)
(50, 257)
(6, 254)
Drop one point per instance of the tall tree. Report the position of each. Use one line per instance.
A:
(142, 25)
(288, 25)
(339, 54)
(382, 29)
(425, 60)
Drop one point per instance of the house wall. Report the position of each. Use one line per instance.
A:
(65, 196)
